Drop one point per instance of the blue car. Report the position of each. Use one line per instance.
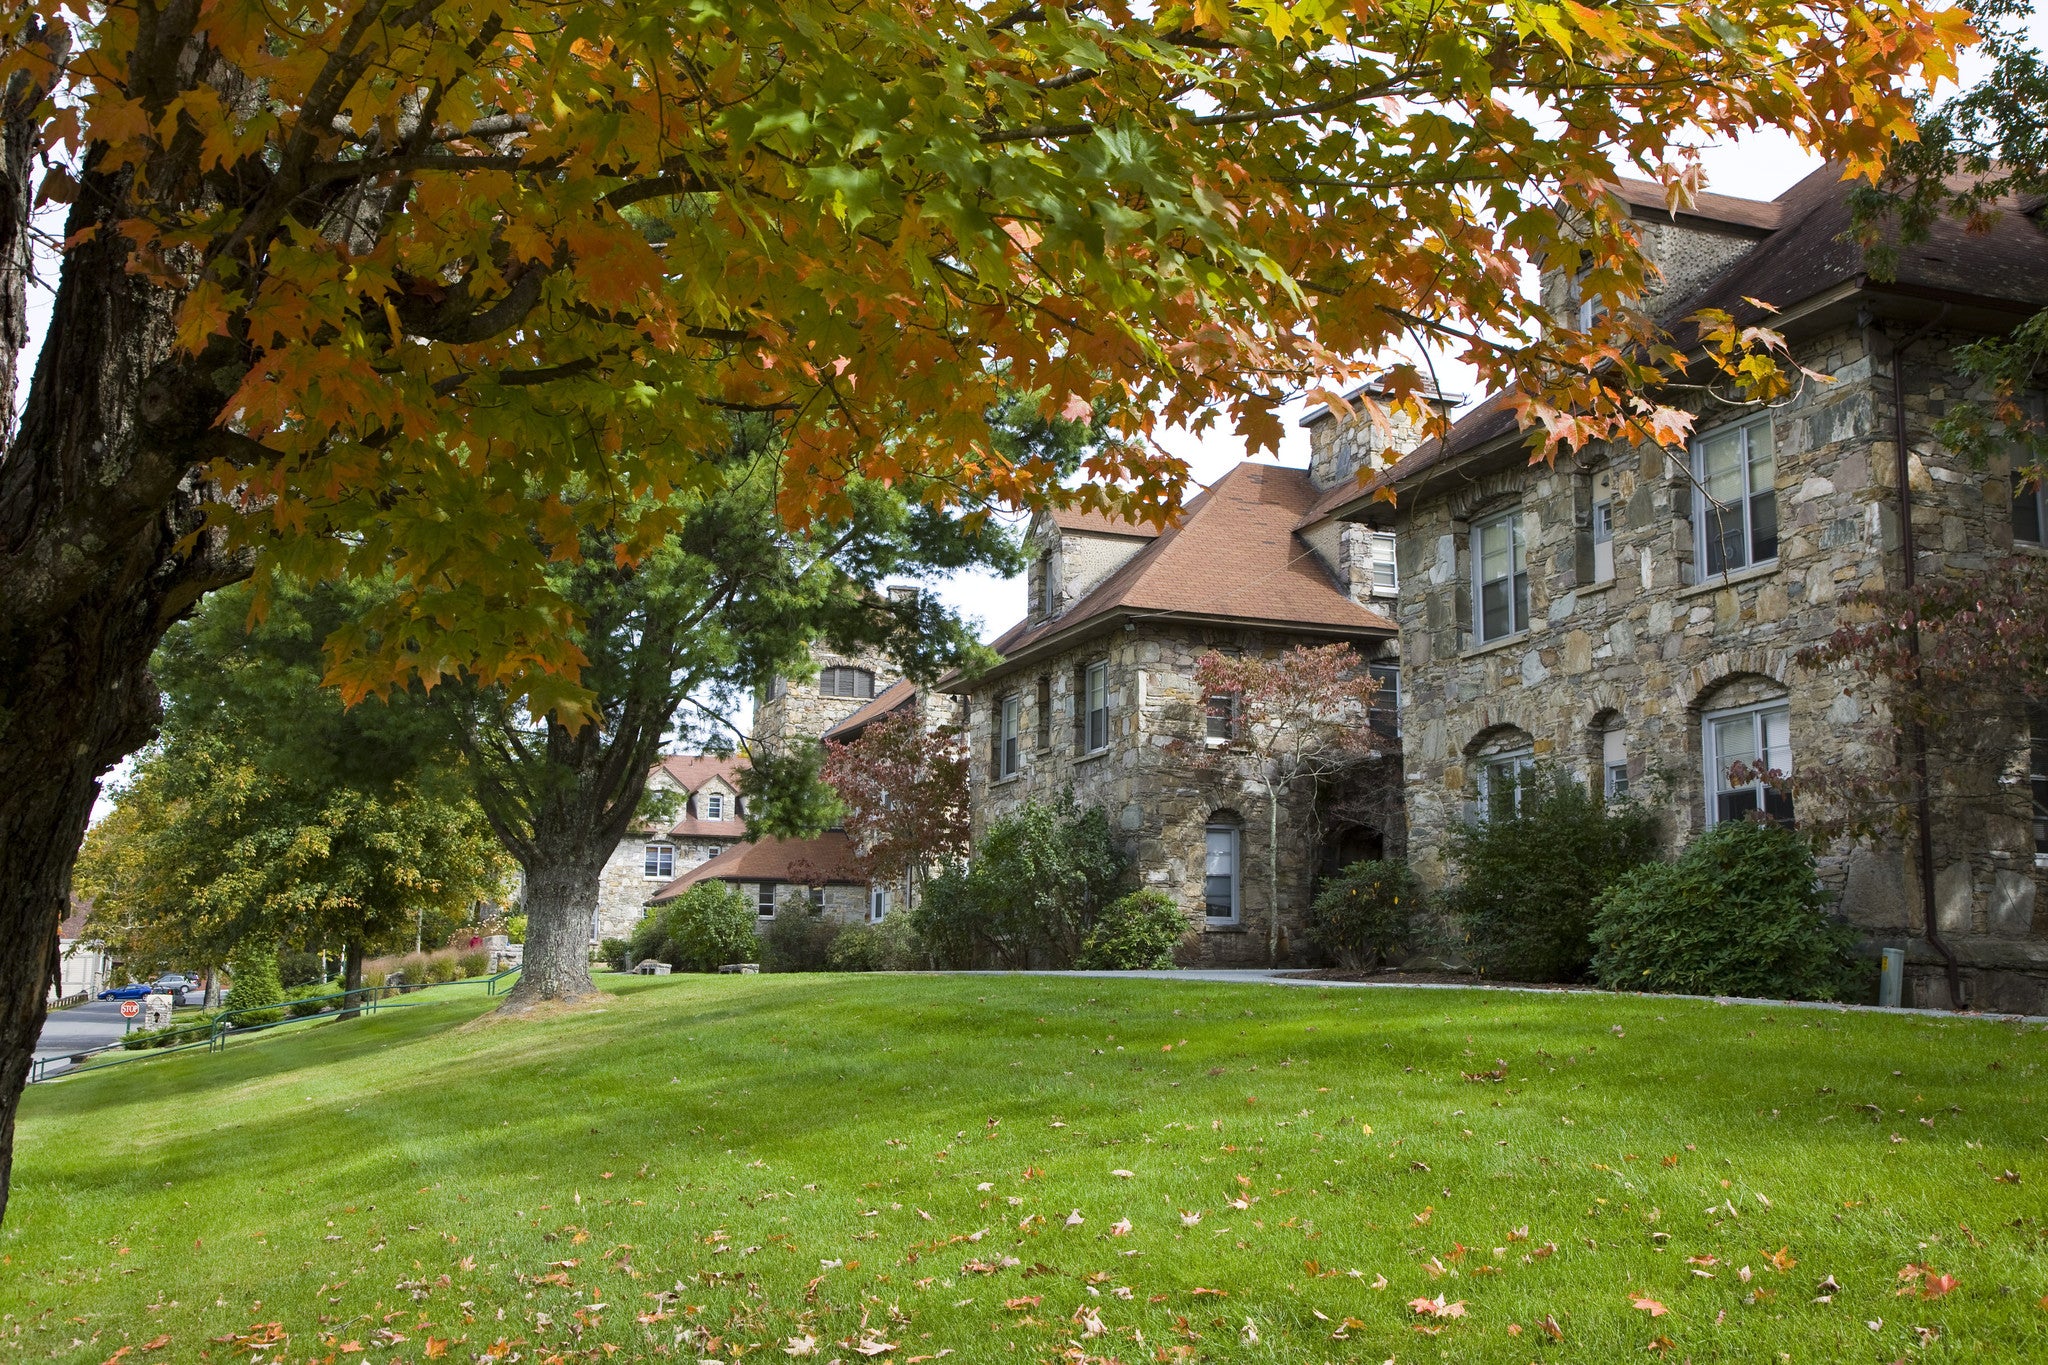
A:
(135, 990)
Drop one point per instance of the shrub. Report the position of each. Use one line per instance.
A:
(1040, 877)
(618, 953)
(701, 930)
(890, 946)
(799, 942)
(299, 969)
(253, 966)
(1134, 933)
(1528, 878)
(474, 962)
(310, 999)
(1737, 914)
(515, 929)
(1365, 915)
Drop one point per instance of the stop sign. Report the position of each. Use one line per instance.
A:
(129, 1009)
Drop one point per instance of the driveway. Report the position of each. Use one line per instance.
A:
(93, 1024)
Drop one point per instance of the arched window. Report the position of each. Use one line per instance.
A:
(1609, 745)
(1222, 870)
(846, 682)
(1501, 762)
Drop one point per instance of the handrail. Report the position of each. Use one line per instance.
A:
(491, 982)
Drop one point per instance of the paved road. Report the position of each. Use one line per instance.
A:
(93, 1024)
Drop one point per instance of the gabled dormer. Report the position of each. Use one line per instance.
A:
(1072, 553)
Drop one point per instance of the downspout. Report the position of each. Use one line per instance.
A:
(1923, 805)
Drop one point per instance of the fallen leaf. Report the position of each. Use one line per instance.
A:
(1550, 1328)
(1123, 1175)
(800, 1346)
(1650, 1306)
(1074, 1219)
(1120, 1228)
(1188, 1220)
(1936, 1285)
(1018, 1305)
(1198, 1291)
(158, 1343)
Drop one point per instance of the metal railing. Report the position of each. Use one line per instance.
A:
(213, 1034)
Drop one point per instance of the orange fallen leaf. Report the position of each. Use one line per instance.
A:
(1219, 1293)
(158, 1344)
(1550, 1328)
(1018, 1305)
(1937, 1285)
(1651, 1306)
(436, 1347)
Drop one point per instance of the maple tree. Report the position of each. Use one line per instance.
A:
(345, 287)
(902, 789)
(1297, 721)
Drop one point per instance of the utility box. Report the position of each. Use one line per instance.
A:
(1891, 980)
(652, 968)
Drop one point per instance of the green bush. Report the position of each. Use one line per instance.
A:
(1365, 915)
(799, 942)
(189, 1028)
(1739, 913)
(617, 953)
(1528, 877)
(253, 968)
(701, 930)
(298, 969)
(515, 929)
(1134, 933)
(443, 968)
(1040, 877)
(473, 962)
(890, 946)
(310, 999)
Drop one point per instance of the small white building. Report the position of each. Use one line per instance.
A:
(83, 964)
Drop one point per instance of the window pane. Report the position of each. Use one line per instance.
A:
(1763, 465)
(1493, 610)
(1778, 740)
(1521, 599)
(2039, 783)
(1603, 522)
(1495, 551)
(1763, 527)
(2026, 513)
(1721, 530)
(1734, 805)
(1222, 853)
(1734, 742)
(1721, 466)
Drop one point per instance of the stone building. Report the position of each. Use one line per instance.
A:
(842, 684)
(1634, 615)
(1095, 691)
(707, 821)
(813, 876)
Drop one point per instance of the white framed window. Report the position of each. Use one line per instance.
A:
(1009, 711)
(846, 682)
(1760, 738)
(1385, 717)
(714, 805)
(1095, 707)
(1219, 718)
(1614, 763)
(1386, 576)
(764, 900)
(1588, 307)
(1500, 577)
(1502, 778)
(1735, 498)
(1221, 884)
(878, 904)
(817, 900)
(661, 861)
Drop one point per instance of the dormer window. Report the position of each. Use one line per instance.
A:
(714, 806)
(846, 682)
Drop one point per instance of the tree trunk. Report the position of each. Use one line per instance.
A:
(351, 978)
(97, 499)
(560, 900)
(211, 999)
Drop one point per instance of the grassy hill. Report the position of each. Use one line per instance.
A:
(1012, 1169)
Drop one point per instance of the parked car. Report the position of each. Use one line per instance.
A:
(134, 990)
(177, 986)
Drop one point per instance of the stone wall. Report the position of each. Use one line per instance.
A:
(795, 710)
(1157, 781)
(847, 904)
(624, 886)
(1653, 648)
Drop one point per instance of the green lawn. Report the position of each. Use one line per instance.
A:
(1011, 1169)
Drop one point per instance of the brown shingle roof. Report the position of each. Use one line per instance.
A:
(1100, 523)
(888, 701)
(1234, 555)
(74, 923)
(1647, 195)
(1807, 252)
(692, 771)
(826, 859)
